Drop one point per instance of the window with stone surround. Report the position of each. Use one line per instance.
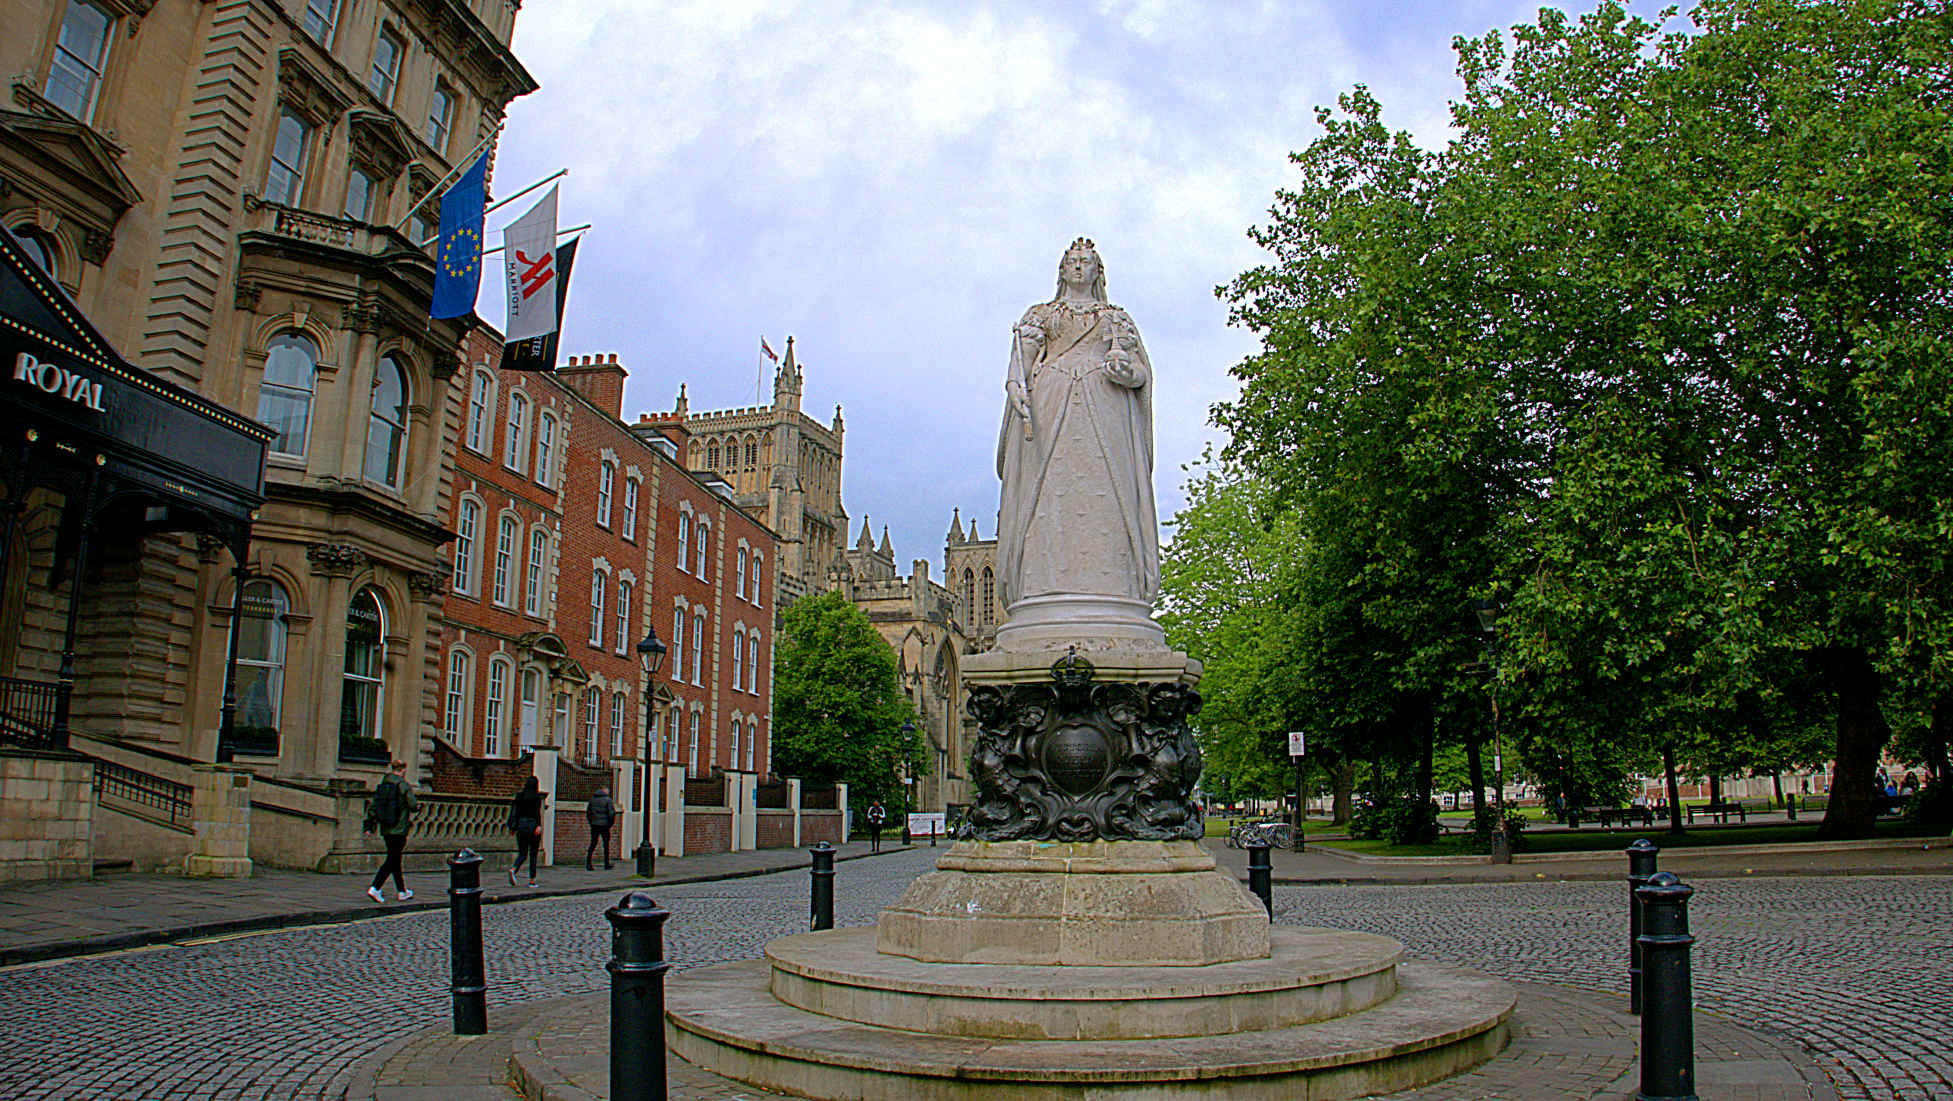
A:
(532, 589)
(291, 369)
(505, 537)
(284, 180)
(454, 716)
(467, 532)
(606, 480)
(81, 49)
(500, 671)
(386, 429)
(385, 75)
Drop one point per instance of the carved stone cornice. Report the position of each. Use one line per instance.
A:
(334, 559)
(426, 586)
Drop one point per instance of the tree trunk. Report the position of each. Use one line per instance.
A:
(1426, 719)
(1715, 788)
(1776, 779)
(1343, 784)
(1475, 765)
(1939, 736)
(1674, 789)
(1862, 734)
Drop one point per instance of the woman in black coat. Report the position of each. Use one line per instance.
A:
(525, 820)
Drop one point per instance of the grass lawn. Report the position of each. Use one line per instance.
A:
(1218, 827)
(1613, 841)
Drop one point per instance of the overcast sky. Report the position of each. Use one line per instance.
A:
(892, 184)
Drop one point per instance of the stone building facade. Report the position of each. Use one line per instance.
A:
(784, 468)
(215, 182)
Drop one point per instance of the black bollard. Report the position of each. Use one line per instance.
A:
(823, 891)
(468, 978)
(1790, 805)
(1668, 1016)
(637, 998)
(1258, 875)
(1641, 865)
(932, 833)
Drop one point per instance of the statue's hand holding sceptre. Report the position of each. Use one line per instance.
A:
(1030, 340)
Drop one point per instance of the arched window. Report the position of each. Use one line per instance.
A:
(599, 582)
(500, 670)
(733, 759)
(545, 446)
(739, 573)
(454, 714)
(593, 698)
(691, 759)
(386, 428)
(480, 395)
(712, 455)
(291, 371)
(989, 607)
(532, 572)
(757, 560)
(616, 725)
(752, 454)
(260, 664)
(738, 655)
(623, 614)
(969, 595)
(514, 450)
(467, 529)
(684, 539)
(39, 248)
(531, 719)
(360, 693)
(504, 560)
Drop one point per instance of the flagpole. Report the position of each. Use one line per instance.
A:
(493, 207)
(453, 173)
(759, 370)
(559, 233)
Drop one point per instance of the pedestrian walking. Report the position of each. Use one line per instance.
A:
(525, 821)
(601, 812)
(877, 816)
(391, 811)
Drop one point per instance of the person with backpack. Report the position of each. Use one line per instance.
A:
(602, 813)
(877, 816)
(391, 811)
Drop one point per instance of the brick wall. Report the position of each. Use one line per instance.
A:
(454, 774)
(708, 831)
(818, 826)
(775, 829)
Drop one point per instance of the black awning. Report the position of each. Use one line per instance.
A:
(65, 389)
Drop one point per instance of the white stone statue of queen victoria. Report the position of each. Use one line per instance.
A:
(1077, 535)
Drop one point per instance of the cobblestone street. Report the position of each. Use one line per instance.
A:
(1859, 969)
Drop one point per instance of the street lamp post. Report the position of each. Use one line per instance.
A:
(651, 655)
(1488, 625)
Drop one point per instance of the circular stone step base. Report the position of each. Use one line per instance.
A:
(1310, 975)
(1443, 1020)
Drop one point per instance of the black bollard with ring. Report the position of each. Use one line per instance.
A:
(823, 890)
(1641, 865)
(1668, 1013)
(637, 998)
(468, 978)
(1259, 873)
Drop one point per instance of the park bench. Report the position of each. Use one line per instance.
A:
(1607, 816)
(1719, 811)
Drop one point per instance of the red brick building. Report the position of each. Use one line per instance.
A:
(575, 537)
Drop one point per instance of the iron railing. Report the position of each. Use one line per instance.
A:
(27, 710)
(166, 799)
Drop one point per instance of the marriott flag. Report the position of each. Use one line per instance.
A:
(538, 353)
(529, 259)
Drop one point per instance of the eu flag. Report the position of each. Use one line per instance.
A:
(457, 261)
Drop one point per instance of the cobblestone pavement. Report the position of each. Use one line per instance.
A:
(1859, 969)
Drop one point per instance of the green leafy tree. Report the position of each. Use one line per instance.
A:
(838, 712)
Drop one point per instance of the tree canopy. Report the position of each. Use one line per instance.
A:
(838, 710)
(1655, 356)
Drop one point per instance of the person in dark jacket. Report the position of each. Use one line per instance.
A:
(391, 811)
(602, 813)
(525, 821)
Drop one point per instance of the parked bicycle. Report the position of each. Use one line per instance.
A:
(1273, 832)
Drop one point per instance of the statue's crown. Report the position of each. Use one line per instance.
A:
(1083, 243)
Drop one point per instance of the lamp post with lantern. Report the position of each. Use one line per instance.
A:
(650, 655)
(1488, 627)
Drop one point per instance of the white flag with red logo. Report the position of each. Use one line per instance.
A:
(529, 259)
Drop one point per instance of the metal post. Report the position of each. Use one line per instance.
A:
(1641, 866)
(1258, 875)
(1668, 1020)
(823, 891)
(637, 998)
(647, 856)
(1301, 804)
(469, 977)
(1790, 804)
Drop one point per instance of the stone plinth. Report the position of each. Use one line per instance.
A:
(1082, 904)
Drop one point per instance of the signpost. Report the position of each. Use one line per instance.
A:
(1298, 749)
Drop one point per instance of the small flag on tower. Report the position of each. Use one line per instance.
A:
(457, 264)
(767, 351)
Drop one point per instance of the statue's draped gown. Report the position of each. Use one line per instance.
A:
(1077, 513)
